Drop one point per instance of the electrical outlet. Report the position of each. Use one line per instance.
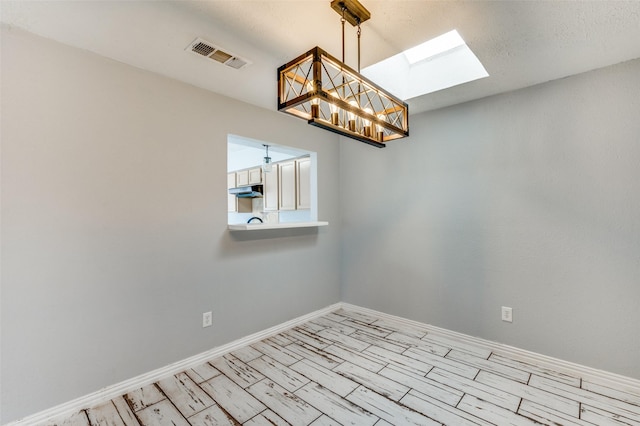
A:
(207, 319)
(507, 314)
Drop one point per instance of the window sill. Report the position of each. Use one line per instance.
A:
(264, 226)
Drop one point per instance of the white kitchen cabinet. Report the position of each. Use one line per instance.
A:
(303, 183)
(232, 204)
(242, 178)
(270, 189)
(287, 185)
(235, 204)
(255, 176)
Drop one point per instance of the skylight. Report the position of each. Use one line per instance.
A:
(433, 47)
(437, 64)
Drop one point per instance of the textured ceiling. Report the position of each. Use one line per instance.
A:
(520, 43)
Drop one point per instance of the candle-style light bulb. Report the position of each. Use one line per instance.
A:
(352, 116)
(334, 109)
(315, 107)
(366, 130)
(380, 129)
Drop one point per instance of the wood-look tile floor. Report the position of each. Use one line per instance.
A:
(348, 368)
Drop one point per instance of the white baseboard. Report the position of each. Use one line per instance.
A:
(113, 391)
(561, 366)
(110, 392)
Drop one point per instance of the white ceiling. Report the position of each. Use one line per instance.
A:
(520, 43)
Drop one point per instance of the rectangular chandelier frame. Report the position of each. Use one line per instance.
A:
(329, 94)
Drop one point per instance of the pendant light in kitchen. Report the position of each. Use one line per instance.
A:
(266, 161)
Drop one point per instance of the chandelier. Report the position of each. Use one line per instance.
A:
(329, 94)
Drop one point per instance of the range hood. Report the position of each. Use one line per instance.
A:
(247, 191)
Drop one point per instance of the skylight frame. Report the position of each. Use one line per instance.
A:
(439, 66)
(435, 46)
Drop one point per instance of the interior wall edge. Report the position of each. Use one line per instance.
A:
(110, 392)
(527, 199)
(115, 390)
(114, 225)
(556, 364)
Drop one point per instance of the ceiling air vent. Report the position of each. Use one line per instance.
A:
(202, 47)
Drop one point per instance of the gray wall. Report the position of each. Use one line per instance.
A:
(114, 238)
(114, 235)
(529, 199)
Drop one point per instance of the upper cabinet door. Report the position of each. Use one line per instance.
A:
(303, 188)
(270, 189)
(242, 178)
(231, 180)
(287, 185)
(255, 176)
(231, 199)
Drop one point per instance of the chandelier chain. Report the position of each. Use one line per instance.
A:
(359, 32)
(342, 21)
